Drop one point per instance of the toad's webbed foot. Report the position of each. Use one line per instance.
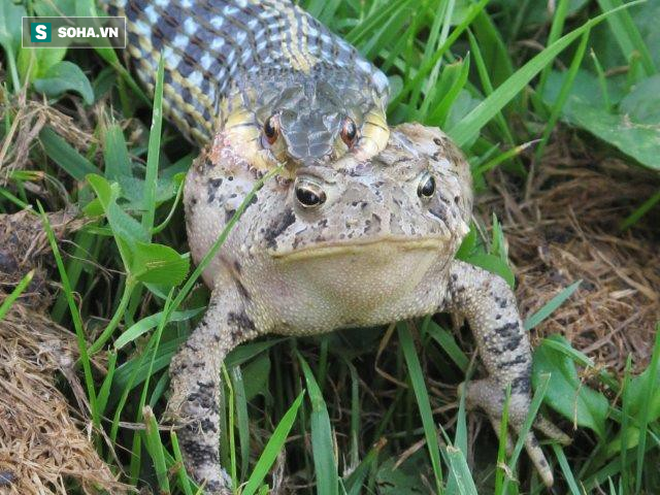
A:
(490, 308)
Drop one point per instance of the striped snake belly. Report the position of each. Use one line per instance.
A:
(252, 67)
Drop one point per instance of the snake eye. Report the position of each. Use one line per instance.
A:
(309, 194)
(426, 187)
(271, 129)
(349, 132)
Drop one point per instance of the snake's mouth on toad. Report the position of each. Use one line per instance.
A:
(383, 245)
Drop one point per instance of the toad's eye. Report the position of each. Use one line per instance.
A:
(271, 129)
(426, 187)
(349, 132)
(309, 194)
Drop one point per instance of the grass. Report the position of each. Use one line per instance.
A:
(317, 410)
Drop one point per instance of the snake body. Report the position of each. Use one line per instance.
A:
(247, 67)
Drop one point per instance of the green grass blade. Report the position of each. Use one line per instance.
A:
(534, 406)
(501, 447)
(549, 308)
(62, 153)
(649, 387)
(627, 35)
(427, 67)
(145, 324)
(242, 421)
(556, 28)
(104, 391)
(368, 28)
(231, 427)
(461, 472)
(325, 464)
(273, 448)
(353, 484)
(153, 156)
(440, 24)
(625, 422)
(16, 293)
(115, 153)
(564, 93)
(156, 449)
(471, 125)
(634, 217)
(423, 402)
(566, 469)
(75, 316)
(184, 481)
(354, 454)
(116, 317)
(448, 343)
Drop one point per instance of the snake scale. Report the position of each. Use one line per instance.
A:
(266, 72)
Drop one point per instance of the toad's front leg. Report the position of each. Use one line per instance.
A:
(489, 305)
(195, 373)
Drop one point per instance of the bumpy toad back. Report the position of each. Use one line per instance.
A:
(355, 243)
(358, 243)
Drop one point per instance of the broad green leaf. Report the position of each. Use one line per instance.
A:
(10, 36)
(585, 108)
(159, 264)
(38, 61)
(642, 104)
(47, 8)
(62, 77)
(10, 25)
(133, 189)
(617, 443)
(126, 230)
(566, 393)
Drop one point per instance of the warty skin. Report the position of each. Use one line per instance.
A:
(378, 248)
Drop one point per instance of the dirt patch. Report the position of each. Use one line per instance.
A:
(567, 229)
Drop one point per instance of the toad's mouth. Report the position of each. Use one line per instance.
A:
(384, 245)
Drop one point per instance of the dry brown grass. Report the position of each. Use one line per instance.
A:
(44, 449)
(45, 445)
(568, 229)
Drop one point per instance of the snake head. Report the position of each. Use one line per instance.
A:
(317, 120)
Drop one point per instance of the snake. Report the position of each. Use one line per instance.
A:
(281, 85)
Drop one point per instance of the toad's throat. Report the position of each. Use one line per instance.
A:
(390, 244)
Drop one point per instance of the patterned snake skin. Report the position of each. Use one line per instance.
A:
(233, 64)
